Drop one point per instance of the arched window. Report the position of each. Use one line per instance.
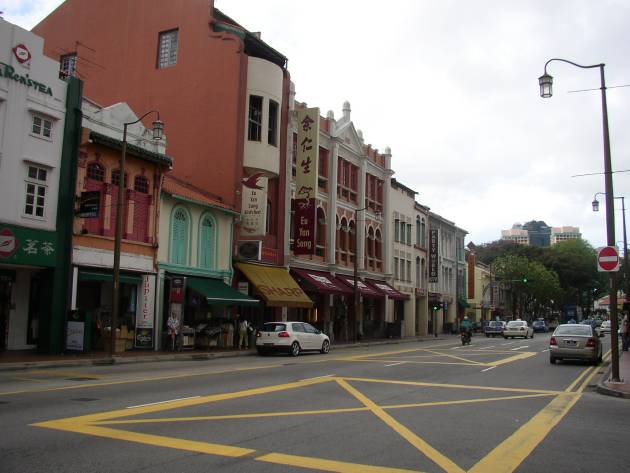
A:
(179, 236)
(141, 184)
(96, 172)
(207, 242)
(418, 231)
(116, 178)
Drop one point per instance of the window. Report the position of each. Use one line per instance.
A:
(402, 232)
(408, 270)
(255, 118)
(268, 218)
(95, 172)
(179, 236)
(423, 233)
(141, 184)
(42, 127)
(167, 48)
(272, 132)
(409, 234)
(116, 178)
(396, 230)
(35, 191)
(206, 243)
(395, 268)
(68, 65)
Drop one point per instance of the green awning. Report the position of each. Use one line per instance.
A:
(108, 277)
(217, 292)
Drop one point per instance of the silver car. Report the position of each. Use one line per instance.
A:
(575, 341)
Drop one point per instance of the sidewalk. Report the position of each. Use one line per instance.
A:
(21, 360)
(621, 389)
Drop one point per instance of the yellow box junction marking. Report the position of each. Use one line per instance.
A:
(504, 458)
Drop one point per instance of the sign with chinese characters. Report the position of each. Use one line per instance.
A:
(254, 205)
(433, 256)
(28, 246)
(145, 311)
(307, 167)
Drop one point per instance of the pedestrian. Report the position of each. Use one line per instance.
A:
(243, 332)
(625, 334)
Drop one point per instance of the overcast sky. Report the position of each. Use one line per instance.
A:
(452, 87)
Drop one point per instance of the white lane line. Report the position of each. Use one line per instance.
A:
(396, 364)
(508, 343)
(488, 369)
(545, 351)
(455, 348)
(317, 377)
(162, 402)
(487, 348)
(518, 348)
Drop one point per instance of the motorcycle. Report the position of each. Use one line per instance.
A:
(466, 337)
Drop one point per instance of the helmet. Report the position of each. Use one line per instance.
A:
(465, 317)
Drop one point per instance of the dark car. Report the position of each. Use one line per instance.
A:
(539, 326)
(494, 328)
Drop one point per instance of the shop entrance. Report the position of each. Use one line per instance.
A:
(5, 307)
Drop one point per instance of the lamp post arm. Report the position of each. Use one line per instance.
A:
(143, 116)
(573, 64)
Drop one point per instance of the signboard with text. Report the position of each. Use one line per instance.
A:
(307, 167)
(145, 312)
(21, 245)
(433, 256)
(254, 205)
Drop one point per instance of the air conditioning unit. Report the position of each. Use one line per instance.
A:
(249, 250)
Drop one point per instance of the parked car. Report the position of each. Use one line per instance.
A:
(576, 341)
(539, 326)
(290, 337)
(494, 328)
(518, 328)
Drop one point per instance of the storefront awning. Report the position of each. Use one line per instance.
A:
(275, 285)
(364, 289)
(386, 289)
(217, 292)
(322, 281)
(108, 277)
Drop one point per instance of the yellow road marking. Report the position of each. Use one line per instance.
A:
(66, 374)
(520, 356)
(463, 401)
(423, 446)
(385, 360)
(327, 465)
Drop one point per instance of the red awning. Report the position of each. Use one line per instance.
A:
(364, 289)
(323, 282)
(386, 289)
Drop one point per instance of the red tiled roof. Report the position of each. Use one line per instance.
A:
(179, 188)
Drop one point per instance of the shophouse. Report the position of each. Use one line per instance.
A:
(421, 258)
(224, 94)
(97, 190)
(349, 273)
(447, 274)
(39, 126)
(480, 295)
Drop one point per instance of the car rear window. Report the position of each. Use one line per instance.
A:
(515, 324)
(580, 330)
(274, 327)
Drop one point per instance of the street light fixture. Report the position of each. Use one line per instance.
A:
(158, 129)
(626, 289)
(546, 81)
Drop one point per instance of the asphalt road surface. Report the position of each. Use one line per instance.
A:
(495, 406)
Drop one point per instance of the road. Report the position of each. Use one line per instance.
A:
(431, 406)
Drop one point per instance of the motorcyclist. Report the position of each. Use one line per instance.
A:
(466, 326)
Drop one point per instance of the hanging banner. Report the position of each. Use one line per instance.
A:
(307, 168)
(254, 205)
(433, 256)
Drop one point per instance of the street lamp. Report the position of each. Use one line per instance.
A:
(546, 81)
(158, 129)
(625, 240)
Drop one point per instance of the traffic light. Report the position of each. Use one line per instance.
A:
(436, 306)
(525, 279)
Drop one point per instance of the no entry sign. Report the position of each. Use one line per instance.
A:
(608, 259)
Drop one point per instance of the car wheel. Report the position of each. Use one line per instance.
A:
(552, 360)
(325, 347)
(295, 349)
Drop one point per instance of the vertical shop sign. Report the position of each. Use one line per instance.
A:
(254, 205)
(433, 256)
(307, 167)
(145, 312)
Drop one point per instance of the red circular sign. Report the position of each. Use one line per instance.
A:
(9, 244)
(608, 259)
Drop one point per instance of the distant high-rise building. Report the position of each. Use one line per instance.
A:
(538, 233)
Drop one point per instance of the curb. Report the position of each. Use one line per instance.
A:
(602, 388)
(25, 365)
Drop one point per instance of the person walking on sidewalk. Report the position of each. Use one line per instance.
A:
(625, 333)
(243, 332)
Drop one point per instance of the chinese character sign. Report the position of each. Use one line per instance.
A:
(433, 256)
(307, 167)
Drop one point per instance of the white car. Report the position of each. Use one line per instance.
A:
(518, 328)
(290, 337)
(604, 327)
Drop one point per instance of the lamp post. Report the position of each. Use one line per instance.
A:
(546, 81)
(158, 129)
(625, 240)
(356, 265)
